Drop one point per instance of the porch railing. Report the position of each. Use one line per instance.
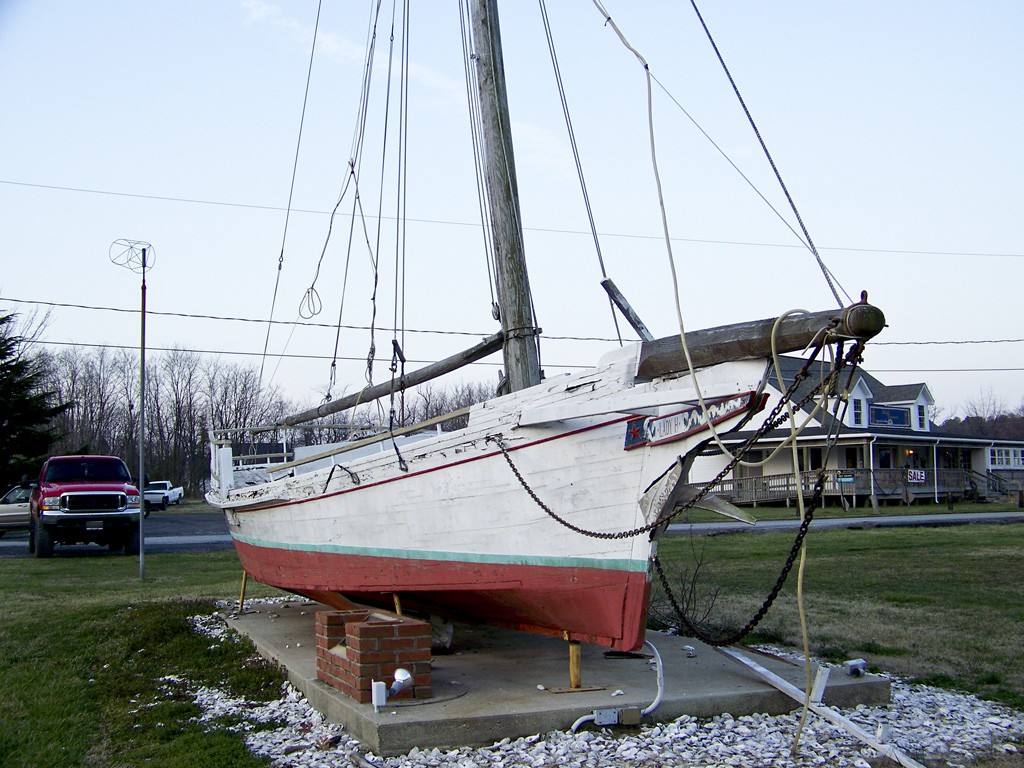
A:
(855, 484)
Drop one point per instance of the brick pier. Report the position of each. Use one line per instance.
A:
(354, 648)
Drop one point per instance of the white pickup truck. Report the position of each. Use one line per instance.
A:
(160, 493)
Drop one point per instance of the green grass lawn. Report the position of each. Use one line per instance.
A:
(83, 646)
(84, 643)
(939, 605)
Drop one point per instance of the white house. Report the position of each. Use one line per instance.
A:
(887, 450)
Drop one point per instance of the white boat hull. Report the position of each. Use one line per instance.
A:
(457, 534)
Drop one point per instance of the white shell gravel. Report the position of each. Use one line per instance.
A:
(943, 727)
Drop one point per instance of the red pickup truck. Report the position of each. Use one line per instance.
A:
(81, 499)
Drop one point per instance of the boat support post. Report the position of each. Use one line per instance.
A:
(575, 665)
(241, 596)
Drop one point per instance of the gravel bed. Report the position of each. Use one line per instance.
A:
(942, 727)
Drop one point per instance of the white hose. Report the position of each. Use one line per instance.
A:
(653, 705)
(661, 680)
(585, 719)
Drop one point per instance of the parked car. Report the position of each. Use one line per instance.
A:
(160, 493)
(14, 512)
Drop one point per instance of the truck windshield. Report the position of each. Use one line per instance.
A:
(95, 470)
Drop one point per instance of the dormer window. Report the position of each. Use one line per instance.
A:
(858, 412)
(922, 417)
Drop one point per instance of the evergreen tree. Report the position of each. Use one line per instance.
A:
(26, 410)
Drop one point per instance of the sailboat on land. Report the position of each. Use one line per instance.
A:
(544, 512)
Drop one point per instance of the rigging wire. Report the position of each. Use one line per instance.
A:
(576, 156)
(771, 161)
(291, 190)
(475, 129)
(506, 157)
(671, 259)
(397, 366)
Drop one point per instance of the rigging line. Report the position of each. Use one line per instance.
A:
(661, 200)
(397, 355)
(505, 148)
(355, 152)
(658, 187)
(291, 188)
(730, 161)
(403, 171)
(332, 376)
(475, 129)
(576, 156)
(380, 200)
(764, 147)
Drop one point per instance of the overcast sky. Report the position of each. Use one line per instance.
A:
(896, 125)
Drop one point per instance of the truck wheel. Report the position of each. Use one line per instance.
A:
(163, 504)
(44, 540)
(131, 545)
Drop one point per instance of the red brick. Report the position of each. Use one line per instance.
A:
(366, 629)
(362, 643)
(413, 628)
(422, 654)
(397, 643)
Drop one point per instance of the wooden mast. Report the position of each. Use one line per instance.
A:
(522, 359)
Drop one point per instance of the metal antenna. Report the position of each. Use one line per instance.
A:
(139, 257)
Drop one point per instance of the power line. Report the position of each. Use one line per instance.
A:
(551, 230)
(425, 362)
(947, 370)
(306, 323)
(282, 355)
(302, 323)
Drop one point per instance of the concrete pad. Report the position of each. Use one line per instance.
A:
(499, 683)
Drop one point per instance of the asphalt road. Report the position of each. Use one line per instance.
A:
(853, 523)
(199, 530)
(171, 530)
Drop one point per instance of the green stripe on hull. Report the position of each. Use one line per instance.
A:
(452, 557)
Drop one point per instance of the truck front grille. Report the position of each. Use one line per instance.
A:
(93, 502)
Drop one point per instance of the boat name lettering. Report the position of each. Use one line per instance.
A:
(655, 430)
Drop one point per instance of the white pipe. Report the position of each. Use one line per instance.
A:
(651, 707)
(661, 680)
(827, 713)
(585, 719)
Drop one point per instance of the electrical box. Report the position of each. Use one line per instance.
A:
(606, 717)
(629, 716)
(378, 694)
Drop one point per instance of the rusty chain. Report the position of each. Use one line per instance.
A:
(772, 421)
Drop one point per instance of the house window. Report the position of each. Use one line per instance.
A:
(922, 417)
(858, 412)
(1006, 457)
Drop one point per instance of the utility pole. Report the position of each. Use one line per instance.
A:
(522, 359)
(139, 257)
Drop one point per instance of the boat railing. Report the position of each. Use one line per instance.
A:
(226, 460)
